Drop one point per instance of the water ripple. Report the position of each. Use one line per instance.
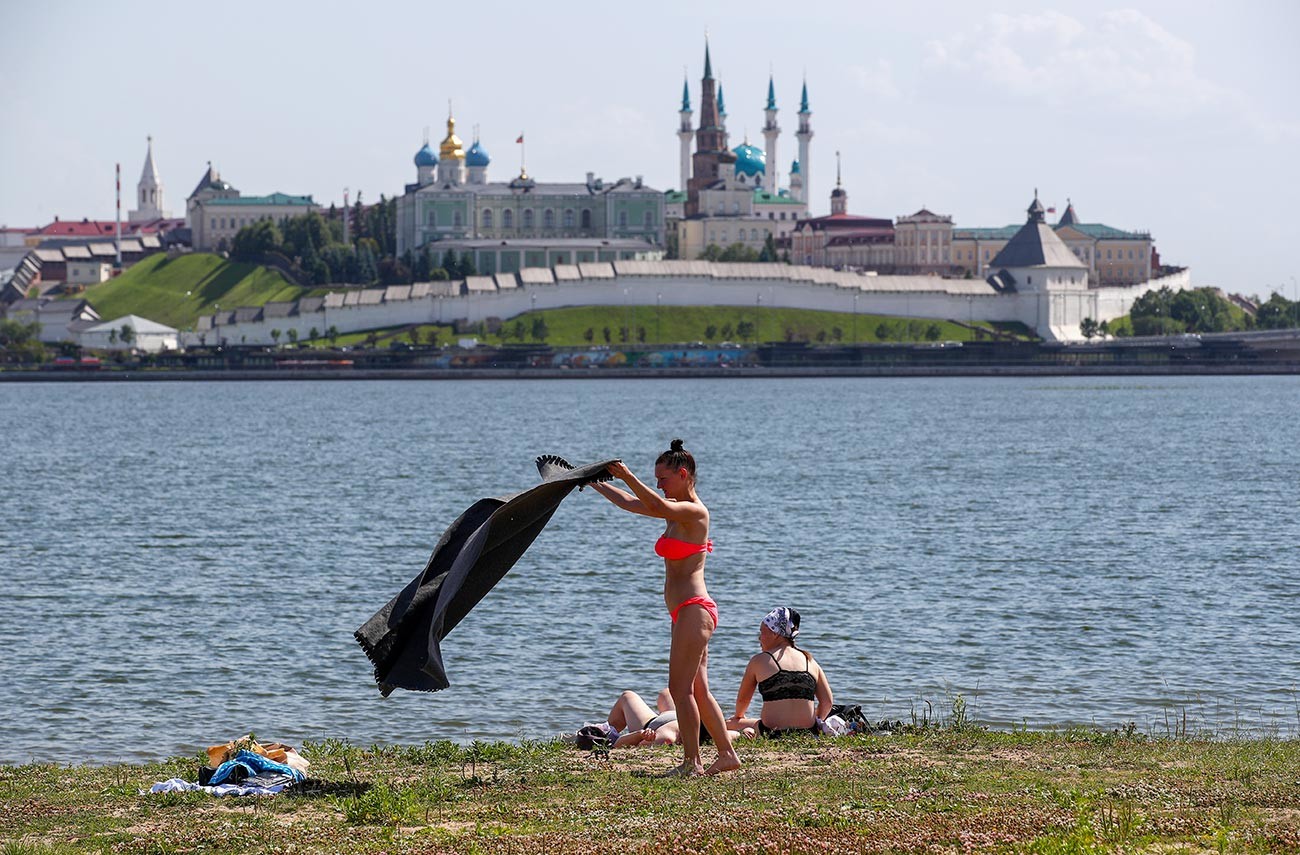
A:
(185, 562)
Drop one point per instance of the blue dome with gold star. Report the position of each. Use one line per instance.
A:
(476, 155)
(426, 157)
(750, 160)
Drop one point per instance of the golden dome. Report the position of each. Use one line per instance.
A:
(451, 147)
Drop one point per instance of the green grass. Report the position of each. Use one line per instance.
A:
(935, 789)
(683, 324)
(176, 291)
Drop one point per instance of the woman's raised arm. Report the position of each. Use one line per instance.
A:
(653, 504)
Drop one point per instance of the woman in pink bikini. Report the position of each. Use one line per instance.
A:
(683, 547)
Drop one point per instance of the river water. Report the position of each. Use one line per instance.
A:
(181, 563)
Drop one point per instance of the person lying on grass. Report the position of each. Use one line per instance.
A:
(631, 722)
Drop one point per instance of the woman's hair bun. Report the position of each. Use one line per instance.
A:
(676, 445)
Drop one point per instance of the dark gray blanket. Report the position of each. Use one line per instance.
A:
(475, 553)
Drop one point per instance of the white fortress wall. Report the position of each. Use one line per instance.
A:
(645, 284)
(1117, 302)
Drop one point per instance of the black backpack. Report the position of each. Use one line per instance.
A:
(853, 717)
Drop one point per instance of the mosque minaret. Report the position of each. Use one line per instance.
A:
(684, 134)
(804, 136)
(771, 130)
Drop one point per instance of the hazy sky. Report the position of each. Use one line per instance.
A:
(1176, 117)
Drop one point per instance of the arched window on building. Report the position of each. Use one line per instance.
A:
(507, 219)
(548, 219)
(487, 218)
(568, 218)
(622, 219)
(586, 218)
(528, 218)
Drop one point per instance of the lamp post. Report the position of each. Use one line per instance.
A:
(658, 299)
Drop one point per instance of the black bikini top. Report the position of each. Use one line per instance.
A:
(788, 685)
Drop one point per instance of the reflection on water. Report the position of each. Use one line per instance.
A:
(182, 563)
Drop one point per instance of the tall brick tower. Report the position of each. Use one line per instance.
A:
(711, 153)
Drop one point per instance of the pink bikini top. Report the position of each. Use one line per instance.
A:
(675, 550)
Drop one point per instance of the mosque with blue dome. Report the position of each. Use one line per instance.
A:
(733, 195)
(505, 226)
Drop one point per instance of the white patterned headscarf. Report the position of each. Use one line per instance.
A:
(783, 621)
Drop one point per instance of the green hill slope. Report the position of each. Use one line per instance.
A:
(176, 291)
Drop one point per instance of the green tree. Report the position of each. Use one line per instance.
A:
(332, 334)
(710, 332)
(467, 267)
(275, 336)
(1276, 313)
(293, 335)
(837, 334)
(821, 336)
(726, 331)
(451, 265)
(589, 334)
(640, 334)
(21, 342)
(745, 330)
(313, 334)
(884, 331)
(414, 335)
(519, 331)
(112, 336)
(540, 330)
(933, 332)
(255, 240)
(605, 332)
(739, 252)
(1088, 326)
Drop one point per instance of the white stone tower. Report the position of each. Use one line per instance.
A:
(804, 136)
(770, 133)
(684, 133)
(149, 192)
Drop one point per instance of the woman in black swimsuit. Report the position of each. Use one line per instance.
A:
(795, 693)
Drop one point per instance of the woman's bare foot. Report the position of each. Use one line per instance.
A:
(727, 762)
(686, 770)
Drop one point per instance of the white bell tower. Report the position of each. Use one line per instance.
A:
(149, 192)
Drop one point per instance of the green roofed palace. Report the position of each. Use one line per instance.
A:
(216, 211)
(504, 226)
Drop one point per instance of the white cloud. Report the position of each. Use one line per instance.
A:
(877, 79)
(1123, 61)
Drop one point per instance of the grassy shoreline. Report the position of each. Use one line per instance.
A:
(937, 789)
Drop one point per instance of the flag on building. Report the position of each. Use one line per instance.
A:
(520, 140)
